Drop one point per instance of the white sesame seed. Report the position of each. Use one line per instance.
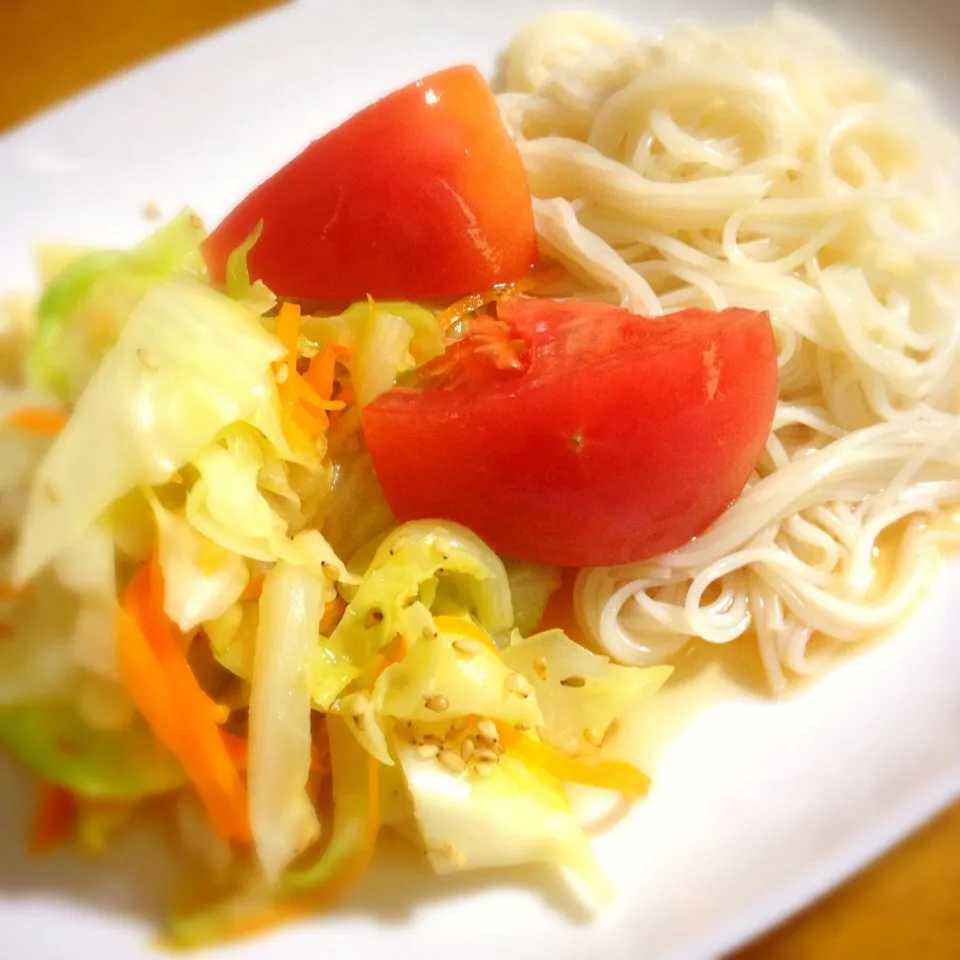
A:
(430, 632)
(483, 755)
(540, 667)
(428, 750)
(360, 704)
(592, 738)
(459, 725)
(468, 648)
(444, 546)
(374, 616)
(467, 749)
(484, 769)
(487, 729)
(436, 703)
(433, 739)
(147, 359)
(573, 682)
(516, 684)
(452, 761)
(610, 732)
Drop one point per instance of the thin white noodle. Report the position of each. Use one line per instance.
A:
(769, 167)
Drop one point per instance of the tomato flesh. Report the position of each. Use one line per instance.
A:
(423, 194)
(624, 438)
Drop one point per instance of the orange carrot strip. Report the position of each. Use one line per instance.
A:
(183, 718)
(390, 659)
(54, 820)
(608, 774)
(466, 628)
(37, 420)
(253, 589)
(332, 613)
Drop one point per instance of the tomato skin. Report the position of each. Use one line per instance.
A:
(624, 439)
(422, 194)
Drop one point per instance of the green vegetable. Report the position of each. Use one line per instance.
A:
(85, 305)
(531, 586)
(395, 596)
(188, 363)
(281, 816)
(52, 740)
(514, 815)
(572, 710)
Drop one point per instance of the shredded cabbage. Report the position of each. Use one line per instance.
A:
(51, 739)
(577, 715)
(188, 363)
(531, 586)
(282, 819)
(91, 295)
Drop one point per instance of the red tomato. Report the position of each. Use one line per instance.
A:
(422, 194)
(615, 438)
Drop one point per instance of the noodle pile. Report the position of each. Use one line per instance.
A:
(766, 167)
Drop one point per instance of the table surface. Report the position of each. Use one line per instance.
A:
(905, 905)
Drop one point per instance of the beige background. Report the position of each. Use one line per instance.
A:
(905, 906)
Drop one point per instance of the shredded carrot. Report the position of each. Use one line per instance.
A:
(54, 820)
(237, 747)
(304, 401)
(38, 420)
(253, 589)
(608, 774)
(466, 628)
(332, 613)
(502, 291)
(314, 901)
(391, 658)
(182, 716)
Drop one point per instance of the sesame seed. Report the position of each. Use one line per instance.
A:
(428, 750)
(374, 616)
(572, 682)
(468, 648)
(484, 769)
(592, 738)
(540, 667)
(518, 685)
(498, 748)
(436, 703)
(452, 761)
(398, 545)
(196, 222)
(360, 704)
(432, 738)
(444, 546)
(52, 492)
(610, 732)
(330, 571)
(283, 373)
(467, 749)
(152, 211)
(459, 725)
(430, 632)
(522, 727)
(148, 360)
(483, 755)
(487, 729)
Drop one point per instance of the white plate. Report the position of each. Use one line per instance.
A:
(757, 807)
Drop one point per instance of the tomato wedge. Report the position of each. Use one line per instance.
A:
(423, 194)
(612, 438)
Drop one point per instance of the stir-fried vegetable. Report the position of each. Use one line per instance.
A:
(203, 588)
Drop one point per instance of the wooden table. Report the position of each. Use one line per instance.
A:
(905, 906)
